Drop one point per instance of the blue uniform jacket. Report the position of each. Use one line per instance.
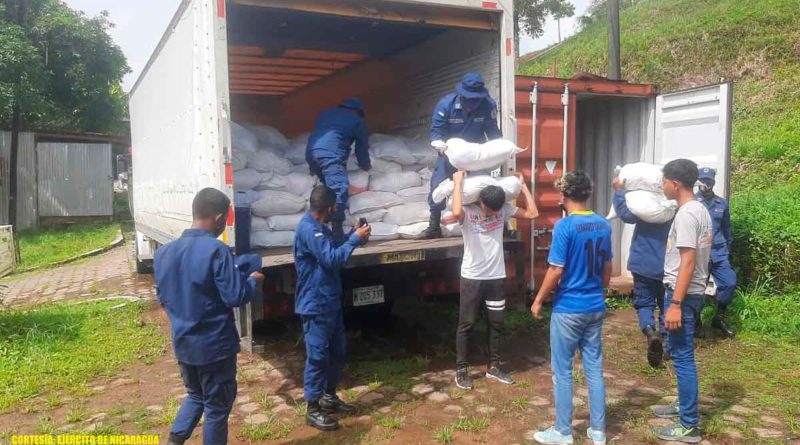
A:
(319, 260)
(721, 217)
(333, 135)
(450, 120)
(198, 284)
(649, 243)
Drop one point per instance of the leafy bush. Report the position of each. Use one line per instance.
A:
(762, 311)
(767, 235)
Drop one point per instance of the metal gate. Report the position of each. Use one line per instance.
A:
(74, 180)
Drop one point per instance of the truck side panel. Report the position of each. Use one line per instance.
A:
(177, 144)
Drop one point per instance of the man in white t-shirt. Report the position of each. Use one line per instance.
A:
(685, 278)
(483, 270)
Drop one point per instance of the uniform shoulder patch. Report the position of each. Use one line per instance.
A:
(318, 235)
(494, 113)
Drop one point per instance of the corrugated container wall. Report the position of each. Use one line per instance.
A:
(74, 180)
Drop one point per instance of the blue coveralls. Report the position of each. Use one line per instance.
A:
(451, 120)
(646, 263)
(721, 269)
(318, 261)
(198, 283)
(329, 147)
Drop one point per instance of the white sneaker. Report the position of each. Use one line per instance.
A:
(597, 437)
(552, 437)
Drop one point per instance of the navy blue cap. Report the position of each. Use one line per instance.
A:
(472, 87)
(707, 173)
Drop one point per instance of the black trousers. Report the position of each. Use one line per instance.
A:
(477, 296)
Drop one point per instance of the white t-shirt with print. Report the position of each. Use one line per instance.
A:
(483, 243)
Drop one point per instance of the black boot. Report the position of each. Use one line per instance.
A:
(318, 419)
(718, 322)
(175, 439)
(655, 348)
(434, 229)
(331, 403)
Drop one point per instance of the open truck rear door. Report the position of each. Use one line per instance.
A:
(696, 124)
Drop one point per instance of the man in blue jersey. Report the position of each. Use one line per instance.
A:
(646, 263)
(580, 269)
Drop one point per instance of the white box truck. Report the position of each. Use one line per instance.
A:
(280, 62)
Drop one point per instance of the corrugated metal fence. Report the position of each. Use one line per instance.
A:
(26, 179)
(74, 179)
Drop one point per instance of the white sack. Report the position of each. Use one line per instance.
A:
(359, 182)
(272, 239)
(451, 230)
(392, 149)
(267, 161)
(415, 194)
(413, 168)
(369, 201)
(465, 155)
(296, 153)
(284, 222)
(301, 168)
(239, 159)
(243, 139)
(278, 203)
(245, 198)
(642, 176)
(372, 216)
(383, 232)
(426, 174)
(258, 224)
(272, 182)
(406, 214)
(423, 153)
(473, 186)
(300, 184)
(393, 182)
(650, 207)
(378, 165)
(269, 136)
(413, 231)
(248, 179)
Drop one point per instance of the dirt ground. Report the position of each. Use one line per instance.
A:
(400, 375)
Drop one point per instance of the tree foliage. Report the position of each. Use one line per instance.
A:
(598, 10)
(530, 15)
(61, 67)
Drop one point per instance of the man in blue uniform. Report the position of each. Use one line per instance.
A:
(319, 259)
(199, 283)
(469, 114)
(721, 270)
(646, 263)
(329, 147)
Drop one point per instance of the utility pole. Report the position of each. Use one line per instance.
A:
(613, 40)
(16, 124)
(558, 20)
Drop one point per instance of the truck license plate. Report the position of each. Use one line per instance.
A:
(363, 296)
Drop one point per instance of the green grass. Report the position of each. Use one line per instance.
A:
(396, 372)
(759, 311)
(444, 434)
(42, 247)
(59, 348)
(274, 429)
(472, 424)
(392, 423)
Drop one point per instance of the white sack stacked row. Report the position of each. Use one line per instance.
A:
(272, 178)
(644, 193)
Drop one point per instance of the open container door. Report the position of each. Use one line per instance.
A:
(696, 124)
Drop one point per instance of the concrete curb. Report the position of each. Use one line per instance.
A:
(118, 241)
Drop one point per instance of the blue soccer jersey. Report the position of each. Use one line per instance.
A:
(581, 245)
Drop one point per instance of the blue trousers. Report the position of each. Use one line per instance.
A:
(333, 173)
(443, 170)
(326, 352)
(568, 333)
(211, 391)
(680, 345)
(648, 294)
(725, 279)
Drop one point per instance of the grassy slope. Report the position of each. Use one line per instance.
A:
(682, 43)
(40, 247)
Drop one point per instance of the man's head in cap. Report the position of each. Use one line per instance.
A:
(707, 179)
(354, 104)
(472, 91)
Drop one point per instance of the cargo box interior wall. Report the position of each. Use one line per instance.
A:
(611, 131)
(286, 65)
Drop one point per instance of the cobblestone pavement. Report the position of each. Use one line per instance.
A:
(108, 272)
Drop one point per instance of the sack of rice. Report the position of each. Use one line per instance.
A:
(273, 202)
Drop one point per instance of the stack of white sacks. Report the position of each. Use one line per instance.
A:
(271, 176)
